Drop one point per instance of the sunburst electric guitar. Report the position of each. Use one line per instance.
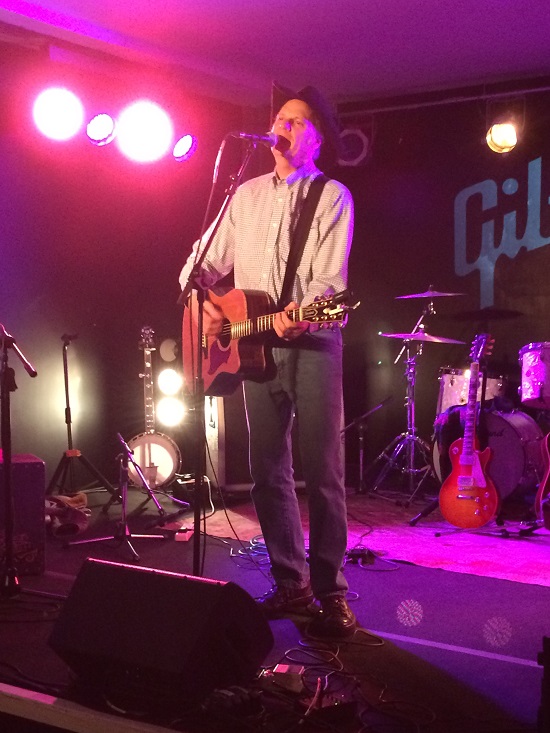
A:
(468, 498)
(240, 352)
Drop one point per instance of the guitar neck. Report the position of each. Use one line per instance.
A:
(261, 324)
(470, 419)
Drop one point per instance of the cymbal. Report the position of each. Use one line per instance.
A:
(428, 294)
(486, 314)
(421, 336)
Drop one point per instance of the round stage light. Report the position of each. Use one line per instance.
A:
(169, 381)
(184, 148)
(170, 411)
(145, 132)
(58, 113)
(101, 129)
(168, 349)
(502, 138)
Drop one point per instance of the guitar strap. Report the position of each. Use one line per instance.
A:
(300, 235)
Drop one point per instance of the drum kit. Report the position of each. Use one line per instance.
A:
(408, 452)
(514, 437)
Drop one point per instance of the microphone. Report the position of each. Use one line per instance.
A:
(270, 138)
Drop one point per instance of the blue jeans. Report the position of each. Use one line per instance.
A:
(308, 385)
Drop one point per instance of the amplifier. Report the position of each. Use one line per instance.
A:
(28, 488)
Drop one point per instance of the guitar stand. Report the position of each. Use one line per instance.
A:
(499, 531)
(65, 467)
(122, 531)
(432, 506)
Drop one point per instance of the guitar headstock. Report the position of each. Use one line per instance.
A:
(147, 341)
(329, 310)
(482, 346)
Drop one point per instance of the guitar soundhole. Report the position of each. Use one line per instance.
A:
(225, 337)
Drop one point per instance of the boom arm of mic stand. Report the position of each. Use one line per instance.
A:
(198, 395)
(129, 457)
(10, 341)
(235, 183)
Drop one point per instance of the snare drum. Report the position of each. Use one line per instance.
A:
(534, 360)
(453, 388)
(157, 456)
(517, 461)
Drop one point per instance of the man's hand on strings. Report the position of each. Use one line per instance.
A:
(212, 316)
(285, 327)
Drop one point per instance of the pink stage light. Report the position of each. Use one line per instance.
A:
(184, 148)
(58, 113)
(144, 132)
(101, 129)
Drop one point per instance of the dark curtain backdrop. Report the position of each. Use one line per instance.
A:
(428, 190)
(92, 245)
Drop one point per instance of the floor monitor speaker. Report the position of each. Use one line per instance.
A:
(158, 639)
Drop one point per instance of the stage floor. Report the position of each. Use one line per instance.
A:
(452, 623)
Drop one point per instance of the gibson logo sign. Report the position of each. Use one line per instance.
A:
(485, 197)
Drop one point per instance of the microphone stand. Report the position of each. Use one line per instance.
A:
(10, 581)
(361, 427)
(198, 386)
(122, 530)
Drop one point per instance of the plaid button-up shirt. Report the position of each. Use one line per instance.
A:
(255, 234)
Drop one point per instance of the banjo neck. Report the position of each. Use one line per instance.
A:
(147, 344)
(157, 455)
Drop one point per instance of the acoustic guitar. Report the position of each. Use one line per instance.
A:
(468, 498)
(542, 499)
(240, 351)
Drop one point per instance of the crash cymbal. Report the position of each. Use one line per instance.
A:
(428, 294)
(486, 314)
(421, 336)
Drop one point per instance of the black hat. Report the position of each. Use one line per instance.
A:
(324, 119)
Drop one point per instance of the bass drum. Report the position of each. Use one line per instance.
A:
(517, 461)
(157, 456)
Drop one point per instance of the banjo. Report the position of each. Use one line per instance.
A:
(156, 454)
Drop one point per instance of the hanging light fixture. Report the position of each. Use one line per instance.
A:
(505, 124)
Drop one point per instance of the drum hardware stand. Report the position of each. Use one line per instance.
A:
(408, 440)
(403, 450)
(359, 422)
(428, 310)
(65, 466)
(122, 531)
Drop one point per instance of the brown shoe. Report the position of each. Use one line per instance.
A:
(335, 619)
(281, 600)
